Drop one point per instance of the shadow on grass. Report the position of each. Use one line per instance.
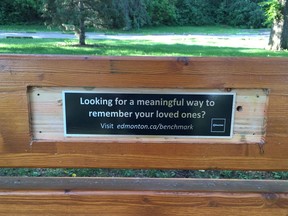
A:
(127, 48)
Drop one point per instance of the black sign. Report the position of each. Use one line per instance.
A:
(151, 114)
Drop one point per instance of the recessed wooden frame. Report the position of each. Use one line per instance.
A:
(249, 116)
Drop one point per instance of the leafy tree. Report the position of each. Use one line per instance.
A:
(76, 15)
(195, 12)
(124, 14)
(19, 11)
(72, 15)
(162, 12)
(277, 12)
(242, 13)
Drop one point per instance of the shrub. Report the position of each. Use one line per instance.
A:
(19, 11)
(241, 13)
(162, 12)
(195, 12)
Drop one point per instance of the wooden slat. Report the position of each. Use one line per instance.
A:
(20, 73)
(140, 203)
(144, 184)
(96, 196)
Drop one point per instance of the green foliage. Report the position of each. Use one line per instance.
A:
(134, 14)
(58, 12)
(72, 15)
(123, 14)
(241, 13)
(273, 10)
(195, 12)
(19, 11)
(162, 12)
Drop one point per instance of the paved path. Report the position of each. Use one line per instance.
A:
(256, 40)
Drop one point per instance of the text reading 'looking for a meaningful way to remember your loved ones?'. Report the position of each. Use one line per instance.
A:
(148, 114)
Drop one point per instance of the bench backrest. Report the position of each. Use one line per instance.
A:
(31, 113)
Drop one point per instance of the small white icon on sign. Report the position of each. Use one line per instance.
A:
(218, 125)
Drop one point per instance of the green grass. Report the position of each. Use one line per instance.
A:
(127, 48)
(227, 174)
(194, 30)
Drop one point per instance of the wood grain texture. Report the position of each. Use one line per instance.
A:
(46, 111)
(18, 73)
(102, 196)
(140, 203)
(144, 184)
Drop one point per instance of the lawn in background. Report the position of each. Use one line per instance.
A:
(181, 46)
(129, 48)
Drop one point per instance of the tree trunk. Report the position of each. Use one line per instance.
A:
(82, 29)
(82, 36)
(279, 32)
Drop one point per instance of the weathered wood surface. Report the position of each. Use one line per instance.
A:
(20, 73)
(144, 184)
(106, 196)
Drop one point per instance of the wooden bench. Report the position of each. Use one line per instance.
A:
(33, 133)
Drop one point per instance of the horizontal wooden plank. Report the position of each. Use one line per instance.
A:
(144, 184)
(137, 197)
(144, 72)
(141, 161)
(140, 203)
